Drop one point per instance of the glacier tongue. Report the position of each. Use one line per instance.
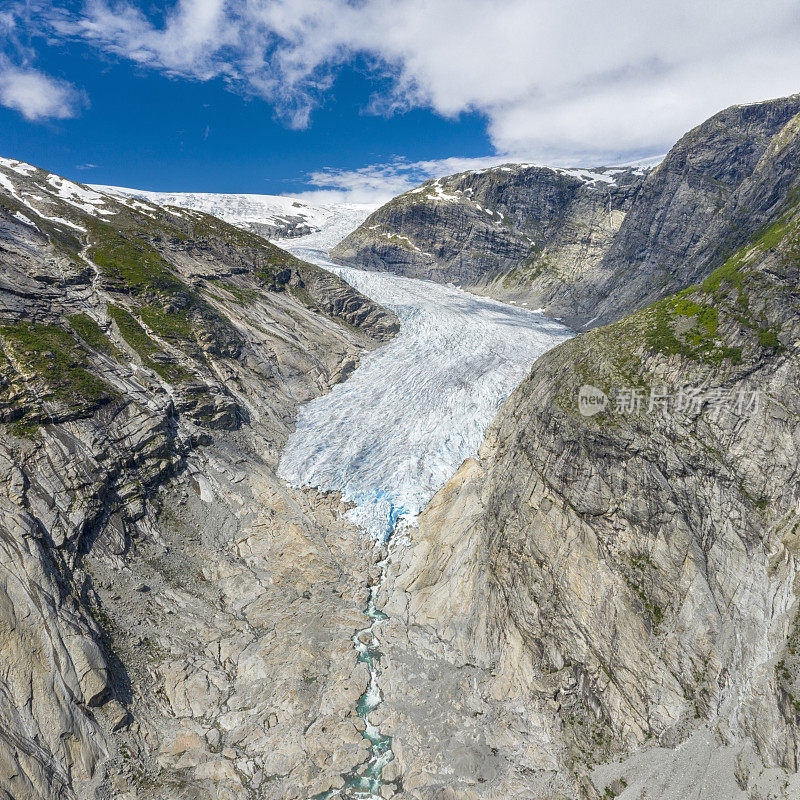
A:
(399, 427)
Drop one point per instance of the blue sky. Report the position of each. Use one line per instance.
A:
(144, 129)
(360, 99)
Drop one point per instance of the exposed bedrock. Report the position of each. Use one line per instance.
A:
(174, 620)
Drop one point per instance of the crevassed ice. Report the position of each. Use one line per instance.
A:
(394, 432)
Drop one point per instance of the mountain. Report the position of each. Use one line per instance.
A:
(496, 230)
(270, 216)
(174, 620)
(590, 246)
(604, 603)
(717, 187)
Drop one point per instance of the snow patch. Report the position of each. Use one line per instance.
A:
(137, 205)
(58, 220)
(22, 218)
(19, 167)
(440, 194)
(588, 175)
(86, 200)
(6, 183)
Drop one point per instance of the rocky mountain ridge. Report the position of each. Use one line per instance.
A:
(608, 599)
(174, 620)
(590, 246)
(504, 222)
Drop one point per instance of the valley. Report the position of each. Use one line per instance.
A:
(323, 517)
(389, 436)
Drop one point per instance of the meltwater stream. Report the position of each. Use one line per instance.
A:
(402, 423)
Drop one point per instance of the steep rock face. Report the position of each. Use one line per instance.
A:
(174, 621)
(522, 223)
(717, 186)
(624, 582)
(590, 246)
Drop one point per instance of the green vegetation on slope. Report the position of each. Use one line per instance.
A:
(149, 352)
(53, 368)
(726, 292)
(170, 308)
(132, 263)
(680, 325)
(93, 335)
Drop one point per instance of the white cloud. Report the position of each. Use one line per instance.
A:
(573, 79)
(188, 43)
(38, 96)
(378, 183)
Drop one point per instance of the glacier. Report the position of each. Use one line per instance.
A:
(402, 423)
(266, 214)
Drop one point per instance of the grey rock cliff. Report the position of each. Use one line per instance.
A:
(609, 603)
(174, 621)
(589, 246)
(716, 187)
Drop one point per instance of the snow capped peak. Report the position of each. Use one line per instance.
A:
(49, 196)
(274, 216)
